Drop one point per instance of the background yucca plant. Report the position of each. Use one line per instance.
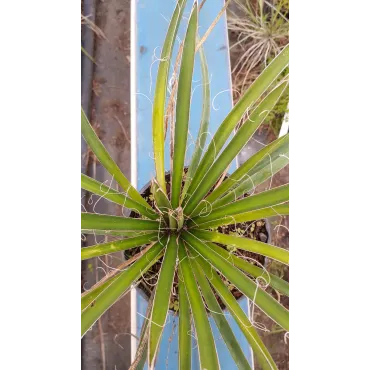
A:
(177, 230)
(259, 31)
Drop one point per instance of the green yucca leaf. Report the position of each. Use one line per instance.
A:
(248, 287)
(116, 233)
(116, 246)
(160, 93)
(250, 245)
(183, 107)
(259, 349)
(118, 286)
(90, 295)
(106, 192)
(279, 210)
(142, 348)
(106, 160)
(206, 346)
(259, 86)
(253, 181)
(274, 281)
(161, 200)
(262, 200)
(220, 320)
(234, 147)
(162, 299)
(249, 167)
(184, 327)
(106, 222)
(280, 150)
(204, 122)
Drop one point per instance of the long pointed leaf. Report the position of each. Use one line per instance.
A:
(90, 295)
(279, 210)
(184, 327)
(274, 281)
(260, 85)
(250, 245)
(161, 200)
(106, 222)
(262, 200)
(142, 348)
(118, 286)
(204, 123)
(279, 150)
(234, 147)
(119, 233)
(160, 93)
(247, 168)
(106, 160)
(96, 187)
(116, 246)
(220, 320)
(206, 345)
(259, 349)
(183, 107)
(248, 185)
(162, 299)
(264, 301)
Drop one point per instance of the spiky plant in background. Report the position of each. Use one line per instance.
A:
(178, 228)
(260, 30)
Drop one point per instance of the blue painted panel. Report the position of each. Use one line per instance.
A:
(152, 23)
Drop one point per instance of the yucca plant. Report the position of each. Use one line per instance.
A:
(181, 226)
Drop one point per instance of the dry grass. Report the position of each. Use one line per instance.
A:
(86, 21)
(259, 30)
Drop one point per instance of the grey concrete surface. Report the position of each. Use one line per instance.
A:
(107, 345)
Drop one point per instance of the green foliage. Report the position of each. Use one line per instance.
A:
(277, 115)
(284, 7)
(173, 235)
(174, 305)
(275, 118)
